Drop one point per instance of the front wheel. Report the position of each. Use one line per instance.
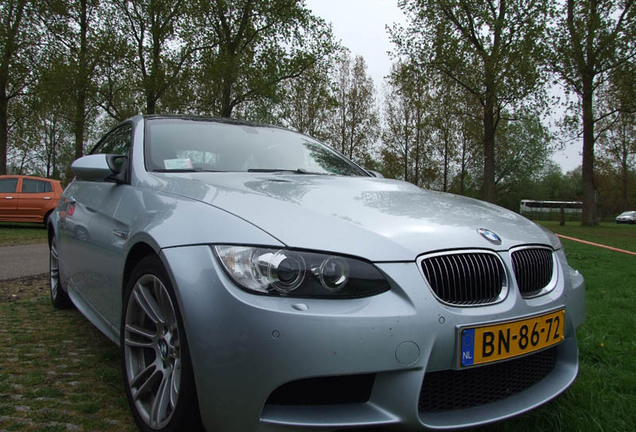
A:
(59, 297)
(155, 358)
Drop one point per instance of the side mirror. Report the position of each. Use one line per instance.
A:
(100, 168)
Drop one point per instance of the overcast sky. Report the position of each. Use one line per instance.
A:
(360, 25)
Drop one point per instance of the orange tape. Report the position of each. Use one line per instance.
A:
(598, 245)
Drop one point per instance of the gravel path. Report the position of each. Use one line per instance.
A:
(23, 260)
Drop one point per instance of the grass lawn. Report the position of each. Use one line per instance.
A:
(603, 398)
(57, 372)
(610, 234)
(21, 233)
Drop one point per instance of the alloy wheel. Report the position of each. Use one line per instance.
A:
(54, 270)
(152, 351)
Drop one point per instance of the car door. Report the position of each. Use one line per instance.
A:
(36, 199)
(94, 237)
(8, 198)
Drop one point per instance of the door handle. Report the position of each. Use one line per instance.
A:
(8, 197)
(122, 234)
(47, 198)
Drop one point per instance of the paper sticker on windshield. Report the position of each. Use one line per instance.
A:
(177, 164)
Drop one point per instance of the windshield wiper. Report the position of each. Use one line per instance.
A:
(283, 170)
(183, 170)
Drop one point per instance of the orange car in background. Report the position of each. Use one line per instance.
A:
(27, 199)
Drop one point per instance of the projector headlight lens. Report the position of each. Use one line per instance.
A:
(333, 274)
(300, 273)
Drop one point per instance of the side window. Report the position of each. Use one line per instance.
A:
(117, 142)
(35, 186)
(8, 185)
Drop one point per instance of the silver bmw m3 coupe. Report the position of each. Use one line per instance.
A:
(256, 280)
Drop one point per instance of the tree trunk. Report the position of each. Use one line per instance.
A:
(589, 188)
(8, 52)
(462, 176)
(4, 129)
(81, 84)
(488, 182)
(226, 98)
(405, 161)
(446, 161)
(418, 144)
(79, 122)
(624, 172)
(151, 105)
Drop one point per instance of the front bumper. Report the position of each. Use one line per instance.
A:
(244, 347)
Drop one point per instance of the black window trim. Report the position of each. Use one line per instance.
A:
(97, 147)
(24, 180)
(17, 183)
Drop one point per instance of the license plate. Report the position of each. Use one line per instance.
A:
(501, 341)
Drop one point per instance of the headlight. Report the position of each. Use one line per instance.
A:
(300, 274)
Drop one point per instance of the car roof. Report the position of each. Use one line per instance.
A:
(224, 120)
(27, 177)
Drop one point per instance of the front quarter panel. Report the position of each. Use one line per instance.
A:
(171, 221)
(163, 222)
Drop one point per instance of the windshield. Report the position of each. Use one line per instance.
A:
(196, 145)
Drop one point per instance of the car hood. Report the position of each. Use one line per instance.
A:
(378, 219)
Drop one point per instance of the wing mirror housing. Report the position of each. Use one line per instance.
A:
(101, 168)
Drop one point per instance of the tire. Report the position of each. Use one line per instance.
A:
(81, 233)
(59, 297)
(45, 219)
(155, 357)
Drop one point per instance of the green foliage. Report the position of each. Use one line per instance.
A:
(74, 67)
(60, 101)
(489, 50)
(553, 185)
(156, 46)
(406, 136)
(432, 140)
(354, 127)
(616, 143)
(616, 186)
(19, 39)
(252, 48)
(309, 101)
(594, 43)
(523, 150)
(593, 38)
(462, 101)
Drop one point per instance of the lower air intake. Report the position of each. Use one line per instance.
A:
(324, 391)
(452, 389)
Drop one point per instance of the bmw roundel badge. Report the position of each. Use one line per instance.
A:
(489, 235)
